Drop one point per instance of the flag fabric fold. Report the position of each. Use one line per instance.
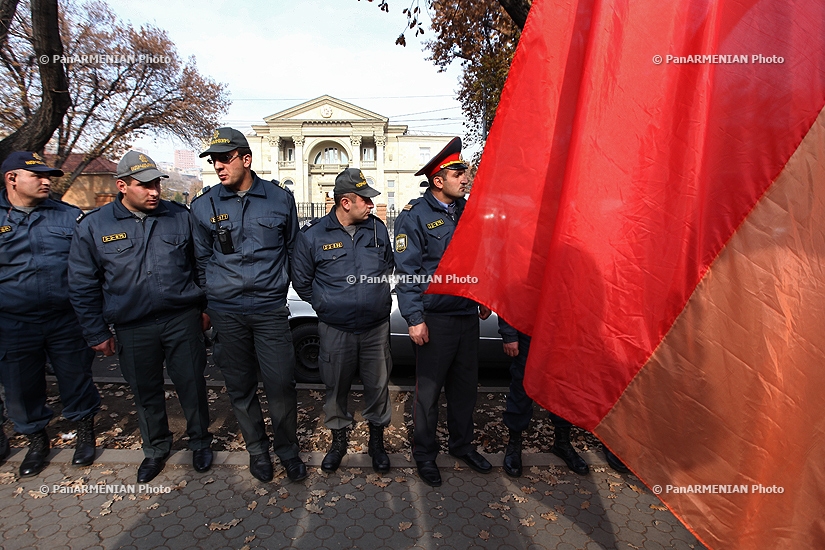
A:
(649, 207)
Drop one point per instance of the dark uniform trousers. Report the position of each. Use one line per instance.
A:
(24, 347)
(448, 360)
(341, 356)
(141, 351)
(519, 410)
(242, 343)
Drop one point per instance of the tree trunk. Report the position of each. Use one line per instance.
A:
(517, 10)
(36, 131)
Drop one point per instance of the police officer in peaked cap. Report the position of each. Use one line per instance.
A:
(444, 329)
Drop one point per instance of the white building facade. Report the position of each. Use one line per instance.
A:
(306, 146)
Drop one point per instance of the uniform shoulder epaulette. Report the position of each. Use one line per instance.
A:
(410, 204)
(84, 214)
(282, 185)
(202, 192)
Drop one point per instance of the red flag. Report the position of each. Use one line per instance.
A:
(650, 207)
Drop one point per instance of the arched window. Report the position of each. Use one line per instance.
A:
(331, 155)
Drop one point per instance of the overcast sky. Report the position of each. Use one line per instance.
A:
(276, 54)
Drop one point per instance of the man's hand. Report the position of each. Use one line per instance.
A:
(511, 349)
(206, 322)
(107, 347)
(419, 334)
(484, 312)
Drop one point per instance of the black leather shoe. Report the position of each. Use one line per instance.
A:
(4, 444)
(260, 466)
(428, 472)
(296, 470)
(380, 460)
(336, 451)
(202, 459)
(37, 457)
(150, 468)
(476, 462)
(614, 462)
(568, 454)
(512, 455)
(84, 447)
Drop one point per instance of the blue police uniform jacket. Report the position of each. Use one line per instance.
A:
(34, 254)
(422, 232)
(263, 225)
(346, 279)
(127, 271)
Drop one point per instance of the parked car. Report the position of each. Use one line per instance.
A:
(304, 323)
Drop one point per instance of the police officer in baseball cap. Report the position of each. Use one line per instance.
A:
(341, 266)
(36, 316)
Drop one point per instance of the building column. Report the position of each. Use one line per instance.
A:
(355, 162)
(275, 156)
(301, 170)
(379, 159)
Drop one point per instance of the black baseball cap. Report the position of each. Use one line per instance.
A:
(224, 140)
(28, 161)
(352, 180)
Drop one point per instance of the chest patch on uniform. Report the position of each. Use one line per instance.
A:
(5, 228)
(333, 246)
(401, 242)
(219, 218)
(115, 237)
(436, 223)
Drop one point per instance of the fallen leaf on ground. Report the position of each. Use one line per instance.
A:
(404, 525)
(216, 526)
(636, 488)
(313, 508)
(660, 508)
(549, 516)
(252, 505)
(484, 535)
(585, 505)
(437, 535)
(528, 521)
(528, 490)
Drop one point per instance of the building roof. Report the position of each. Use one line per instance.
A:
(97, 166)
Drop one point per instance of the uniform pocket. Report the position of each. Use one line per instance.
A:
(270, 231)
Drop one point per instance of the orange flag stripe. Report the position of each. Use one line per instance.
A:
(733, 397)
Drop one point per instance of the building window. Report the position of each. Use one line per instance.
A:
(390, 183)
(289, 154)
(390, 199)
(368, 154)
(331, 155)
(424, 152)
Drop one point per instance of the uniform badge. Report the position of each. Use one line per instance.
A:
(332, 246)
(401, 242)
(5, 228)
(436, 223)
(115, 237)
(219, 218)
(407, 207)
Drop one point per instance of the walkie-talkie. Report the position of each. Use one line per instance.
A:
(223, 234)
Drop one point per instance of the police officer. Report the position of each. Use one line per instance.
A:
(132, 265)
(444, 329)
(520, 409)
(341, 265)
(36, 317)
(245, 231)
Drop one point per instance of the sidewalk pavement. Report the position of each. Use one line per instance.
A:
(548, 508)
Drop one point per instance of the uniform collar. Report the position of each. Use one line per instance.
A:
(257, 188)
(5, 204)
(121, 212)
(437, 205)
(332, 221)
